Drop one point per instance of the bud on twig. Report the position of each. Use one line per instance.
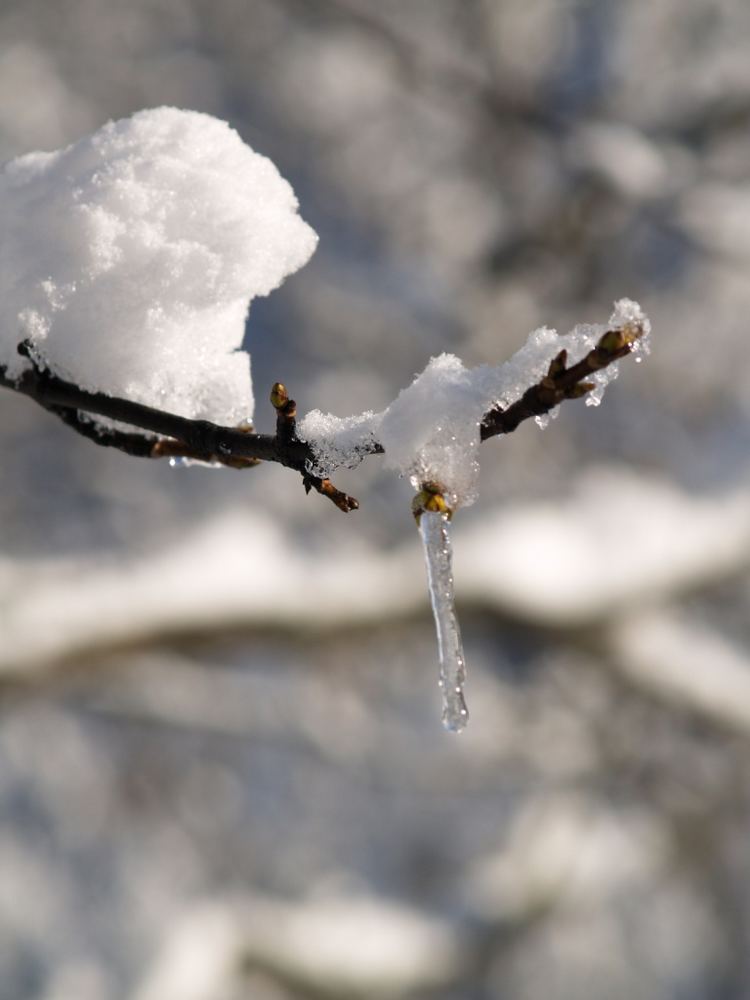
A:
(430, 499)
(279, 396)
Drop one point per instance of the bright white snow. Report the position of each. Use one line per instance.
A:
(431, 431)
(129, 259)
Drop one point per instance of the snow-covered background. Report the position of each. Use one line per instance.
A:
(222, 773)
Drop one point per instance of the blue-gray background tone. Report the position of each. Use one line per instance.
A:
(222, 773)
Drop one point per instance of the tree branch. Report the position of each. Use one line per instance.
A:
(168, 435)
(562, 383)
(198, 439)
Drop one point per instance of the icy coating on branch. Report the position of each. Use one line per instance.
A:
(129, 259)
(431, 430)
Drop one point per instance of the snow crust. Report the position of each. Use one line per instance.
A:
(431, 430)
(129, 258)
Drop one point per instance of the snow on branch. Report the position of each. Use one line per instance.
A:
(127, 262)
(169, 435)
(129, 258)
(433, 430)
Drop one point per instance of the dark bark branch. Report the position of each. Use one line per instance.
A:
(199, 438)
(286, 433)
(561, 382)
(326, 489)
(169, 435)
(134, 444)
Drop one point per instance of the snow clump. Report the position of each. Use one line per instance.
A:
(129, 258)
(431, 432)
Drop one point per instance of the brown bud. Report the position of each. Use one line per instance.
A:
(557, 364)
(614, 341)
(578, 390)
(279, 395)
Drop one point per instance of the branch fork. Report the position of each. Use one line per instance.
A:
(167, 435)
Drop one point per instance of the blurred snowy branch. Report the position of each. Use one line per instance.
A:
(525, 563)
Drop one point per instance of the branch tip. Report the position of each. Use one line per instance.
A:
(619, 341)
(326, 488)
(279, 396)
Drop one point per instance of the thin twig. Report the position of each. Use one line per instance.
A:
(169, 435)
(561, 382)
(199, 438)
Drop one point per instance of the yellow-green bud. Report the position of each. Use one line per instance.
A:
(430, 499)
(279, 395)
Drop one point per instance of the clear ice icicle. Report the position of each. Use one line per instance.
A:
(435, 531)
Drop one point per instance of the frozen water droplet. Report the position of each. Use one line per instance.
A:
(435, 531)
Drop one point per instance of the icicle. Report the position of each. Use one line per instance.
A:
(435, 531)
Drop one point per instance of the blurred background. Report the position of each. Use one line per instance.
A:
(222, 771)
